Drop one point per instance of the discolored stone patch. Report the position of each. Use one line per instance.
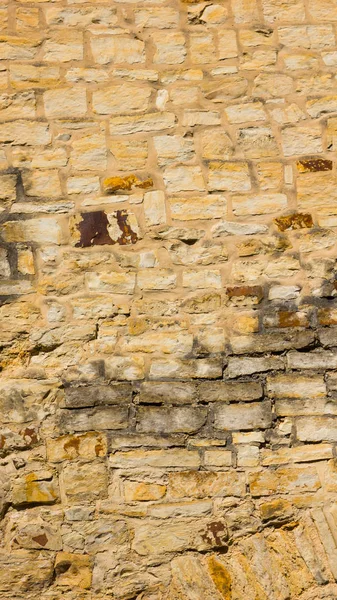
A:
(294, 221)
(93, 229)
(313, 165)
(116, 184)
(123, 222)
(244, 290)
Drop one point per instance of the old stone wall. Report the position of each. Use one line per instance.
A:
(168, 244)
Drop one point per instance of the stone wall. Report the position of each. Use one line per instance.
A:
(168, 317)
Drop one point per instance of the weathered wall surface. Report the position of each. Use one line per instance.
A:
(168, 200)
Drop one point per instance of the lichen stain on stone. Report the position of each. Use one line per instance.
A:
(294, 221)
(314, 164)
(116, 184)
(93, 229)
(128, 236)
(220, 577)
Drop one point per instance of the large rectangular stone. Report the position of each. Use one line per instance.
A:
(229, 391)
(167, 458)
(81, 397)
(296, 386)
(170, 420)
(204, 484)
(109, 417)
(317, 429)
(237, 417)
(313, 360)
(167, 392)
(271, 342)
(285, 480)
(248, 365)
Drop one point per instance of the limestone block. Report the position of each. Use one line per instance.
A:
(242, 417)
(84, 481)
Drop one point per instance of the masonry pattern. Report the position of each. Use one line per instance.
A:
(168, 287)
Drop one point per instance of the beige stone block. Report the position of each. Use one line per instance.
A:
(125, 368)
(119, 99)
(173, 148)
(290, 114)
(43, 184)
(203, 484)
(63, 46)
(271, 85)
(84, 481)
(248, 456)
(30, 158)
(296, 386)
(324, 10)
(259, 205)
(245, 11)
(89, 153)
(130, 154)
(26, 262)
(23, 571)
(227, 44)
(27, 19)
(117, 50)
(307, 36)
(228, 176)
(157, 17)
(71, 447)
(163, 342)
(81, 17)
(181, 419)
(185, 369)
(171, 537)
(8, 188)
(19, 48)
(30, 76)
(41, 231)
(154, 208)
(115, 282)
(270, 175)
(202, 48)
(14, 106)
(66, 103)
(301, 61)
(202, 207)
(284, 481)
(164, 458)
(35, 489)
(156, 279)
(215, 144)
(283, 10)
(317, 429)
(135, 491)
(316, 191)
(183, 178)
(256, 37)
(240, 113)
(199, 279)
(192, 117)
(170, 48)
(73, 570)
(302, 140)
(5, 270)
(218, 458)
(31, 133)
(236, 417)
(299, 454)
(142, 123)
(257, 142)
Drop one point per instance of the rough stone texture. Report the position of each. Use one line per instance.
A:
(168, 300)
